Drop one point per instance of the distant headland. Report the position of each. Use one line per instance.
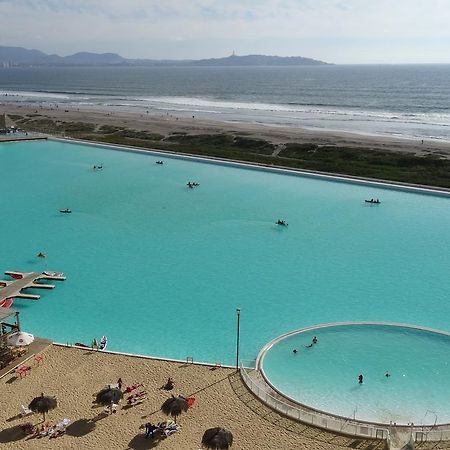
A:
(22, 57)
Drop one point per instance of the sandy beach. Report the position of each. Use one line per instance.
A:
(73, 376)
(169, 124)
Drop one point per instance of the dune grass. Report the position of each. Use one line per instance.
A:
(360, 162)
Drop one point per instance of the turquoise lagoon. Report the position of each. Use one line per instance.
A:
(160, 269)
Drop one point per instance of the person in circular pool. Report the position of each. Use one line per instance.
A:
(360, 379)
(314, 341)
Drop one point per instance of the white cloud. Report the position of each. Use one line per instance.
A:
(133, 27)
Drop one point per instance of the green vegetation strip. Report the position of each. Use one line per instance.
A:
(360, 162)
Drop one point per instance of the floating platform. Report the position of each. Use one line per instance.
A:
(23, 280)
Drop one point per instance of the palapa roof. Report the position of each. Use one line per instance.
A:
(5, 122)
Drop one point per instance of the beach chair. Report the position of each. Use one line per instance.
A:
(24, 411)
(136, 398)
(22, 371)
(111, 409)
(39, 359)
(131, 388)
(60, 428)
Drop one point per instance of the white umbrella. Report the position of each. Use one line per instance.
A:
(20, 339)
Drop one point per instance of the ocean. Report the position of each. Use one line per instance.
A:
(410, 101)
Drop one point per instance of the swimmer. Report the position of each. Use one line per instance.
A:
(387, 374)
(360, 379)
(294, 351)
(314, 341)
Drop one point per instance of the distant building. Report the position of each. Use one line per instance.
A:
(6, 124)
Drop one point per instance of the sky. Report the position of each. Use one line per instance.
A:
(336, 31)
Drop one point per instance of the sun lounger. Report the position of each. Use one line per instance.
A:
(131, 388)
(24, 411)
(168, 428)
(44, 430)
(59, 429)
(138, 397)
(39, 359)
(22, 371)
(111, 409)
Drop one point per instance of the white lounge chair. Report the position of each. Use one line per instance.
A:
(24, 411)
(111, 409)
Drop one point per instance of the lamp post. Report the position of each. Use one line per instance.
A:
(238, 313)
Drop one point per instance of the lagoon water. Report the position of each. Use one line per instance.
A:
(160, 269)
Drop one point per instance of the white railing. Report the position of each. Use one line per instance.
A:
(432, 436)
(310, 417)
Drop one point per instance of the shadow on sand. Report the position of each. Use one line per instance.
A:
(139, 442)
(12, 434)
(81, 427)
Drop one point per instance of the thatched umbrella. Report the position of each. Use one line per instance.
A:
(43, 404)
(217, 438)
(108, 396)
(174, 406)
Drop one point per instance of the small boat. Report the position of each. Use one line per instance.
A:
(159, 162)
(65, 211)
(103, 343)
(375, 202)
(80, 344)
(16, 276)
(281, 222)
(53, 274)
(6, 303)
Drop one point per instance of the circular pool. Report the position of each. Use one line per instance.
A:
(405, 371)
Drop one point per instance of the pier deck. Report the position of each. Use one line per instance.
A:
(14, 288)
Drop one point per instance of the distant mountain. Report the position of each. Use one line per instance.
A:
(94, 59)
(18, 56)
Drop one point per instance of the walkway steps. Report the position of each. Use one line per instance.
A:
(400, 438)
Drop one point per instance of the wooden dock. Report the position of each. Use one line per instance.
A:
(24, 280)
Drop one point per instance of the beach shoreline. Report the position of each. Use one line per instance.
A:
(276, 134)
